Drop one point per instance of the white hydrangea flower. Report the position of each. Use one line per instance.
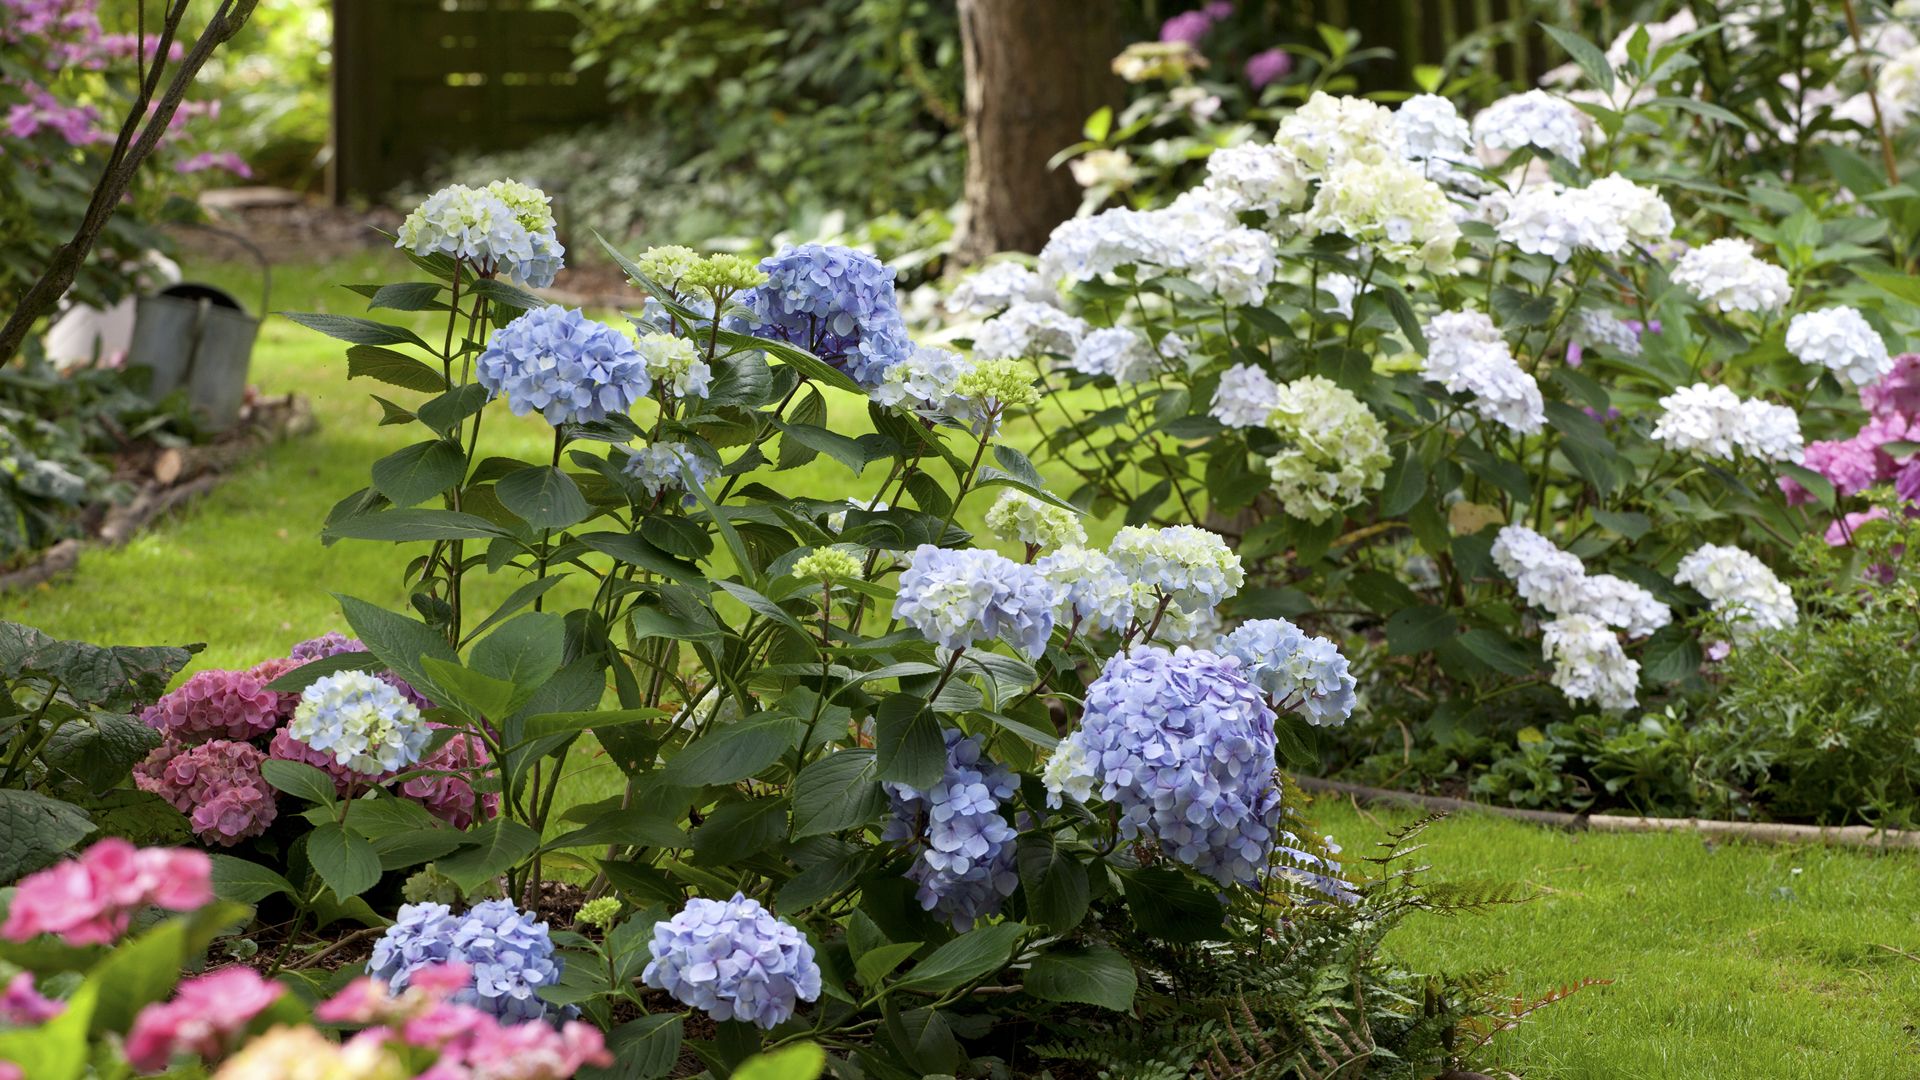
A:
(1017, 517)
(1545, 576)
(1588, 662)
(1597, 329)
(1335, 449)
(1256, 177)
(505, 227)
(998, 286)
(1245, 397)
(1191, 566)
(664, 466)
(1535, 118)
(925, 382)
(1069, 773)
(1546, 219)
(674, 362)
(1712, 421)
(1028, 329)
(1466, 354)
(1898, 87)
(1328, 132)
(1118, 352)
(1174, 238)
(364, 723)
(1094, 593)
(1743, 591)
(1430, 127)
(1841, 340)
(1390, 207)
(1623, 604)
(1728, 275)
(1236, 265)
(1639, 210)
(1108, 167)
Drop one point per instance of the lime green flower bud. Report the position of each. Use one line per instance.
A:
(1008, 382)
(724, 273)
(598, 913)
(669, 264)
(828, 564)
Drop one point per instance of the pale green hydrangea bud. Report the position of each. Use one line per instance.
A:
(1021, 518)
(828, 564)
(675, 363)
(599, 913)
(1009, 382)
(668, 264)
(724, 273)
(429, 886)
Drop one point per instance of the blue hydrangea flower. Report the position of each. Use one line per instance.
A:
(510, 954)
(733, 960)
(1094, 594)
(368, 725)
(563, 365)
(835, 302)
(506, 227)
(965, 868)
(957, 597)
(1295, 671)
(1183, 745)
(662, 466)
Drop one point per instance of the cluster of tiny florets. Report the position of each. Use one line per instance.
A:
(505, 227)
(1727, 274)
(557, 362)
(1334, 450)
(1294, 671)
(1193, 568)
(365, 724)
(1841, 340)
(1742, 590)
(1712, 421)
(963, 846)
(1017, 517)
(955, 598)
(509, 953)
(1467, 354)
(733, 960)
(835, 302)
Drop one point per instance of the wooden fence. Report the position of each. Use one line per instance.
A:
(417, 80)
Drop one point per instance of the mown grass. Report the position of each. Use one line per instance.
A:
(1727, 961)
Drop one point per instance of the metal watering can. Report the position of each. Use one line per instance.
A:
(200, 337)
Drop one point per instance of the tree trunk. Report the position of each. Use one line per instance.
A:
(1035, 70)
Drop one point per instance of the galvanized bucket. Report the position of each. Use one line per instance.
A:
(201, 338)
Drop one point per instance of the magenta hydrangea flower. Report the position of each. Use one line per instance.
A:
(1840, 533)
(217, 784)
(215, 705)
(22, 1005)
(449, 796)
(204, 1019)
(1188, 26)
(1269, 66)
(1897, 393)
(268, 670)
(90, 900)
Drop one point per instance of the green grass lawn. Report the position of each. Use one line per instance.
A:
(1727, 962)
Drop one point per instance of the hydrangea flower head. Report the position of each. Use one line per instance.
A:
(666, 264)
(1727, 274)
(1597, 329)
(217, 784)
(1335, 448)
(1544, 575)
(733, 960)
(1294, 670)
(1712, 421)
(835, 302)
(1588, 663)
(1028, 328)
(207, 1014)
(1431, 129)
(955, 598)
(22, 1004)
(508, 953)
(996, 287)
(665, 465)
(505, 227)
(1535, 118)
(90, 900)
(1192, 567)
(215, 705)
(1897, 393)
(1330, 131)
(1841, 340)
(570, 369)
(963, 865)
(332, 643)
(674, 364)
(1743, 592)
(1118, 352)
(996, 385)
(1391, 207)
(1019, 518)
(1183, 745)
(832, 563)
(925, 382)
(722, 274)
(366, 725)
(1093, 593)
(1270, 65)
(1467, 354)
(1246, 397)
(1259, 177)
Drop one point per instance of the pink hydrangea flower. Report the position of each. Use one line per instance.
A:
(215, 705)
(268, 670)
(89, 900)
(1840, 533)
(1269, 66)
(23, 1006)
(1188, 26)
(216, 784)
(203, 1019)
(1897, 393)
(225, 160)
(449, 796)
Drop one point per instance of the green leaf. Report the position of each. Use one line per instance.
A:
(498, 846)
(300, 780)
(1818, 486)
(1092, 975)
(543, 497)
(356, 331)
(1418, 629)
(877, 963)
(479, 697)
(139, 972)
(912, 751)
(400, 850)
(525, 650)
(837, 792)
(417, 473)
(732, 753)
(314, 670)
(801, 1061)
(1627, 523)
(846, 451)
(344, 859)
(394, 369)
(99, 748)
(520, 598)
(1499, 652)
(561, 723)
(1586, 54)
(1701, 108)
(1056, 883)
(1406, 483)
(973, 955)
(407, 296)
(1167, 904)
(1099, 124)
(643, 1049)
(1516, 308)
(246, 882)
(1671, 655)
(405, 526)
(736, 830)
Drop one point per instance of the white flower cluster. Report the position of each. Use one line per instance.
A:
(1466, 354)
(1547, 219)
(673, 362)
(1328, 132)
(1597, 329)
(1258, 177)
(996, 287)
(1434, 136)
(1192, 567)
(1245, 397)
(1588, 662)
(1744, 593)
(1093, 593)
(1535, 118)
(926, 382)
(1713, 422)
(1556, 582)
(1841, 340)
(1727, 274)
(1020, 518)
(506, 227)
(1334, 451)
(1184, 237)
(1390, 207)
(1119, 352)
(1029, 328)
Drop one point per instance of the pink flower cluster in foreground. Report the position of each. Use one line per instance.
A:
(89, 900)
(204, 1019)
(471, 1044)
